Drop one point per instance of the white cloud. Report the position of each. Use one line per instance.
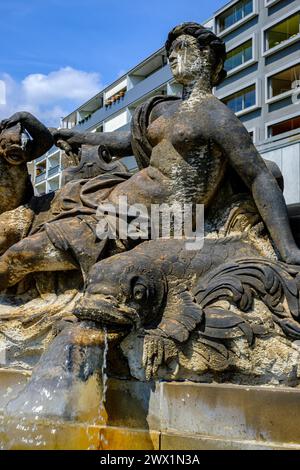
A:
(66, 83)
(51, 96)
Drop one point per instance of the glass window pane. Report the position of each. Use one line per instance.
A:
(249, 99)
(248, 51)
(241, 100)
(235, 14)
(239, 55)
(283, 31)
(236, 103)
(285, 126)
(284, 81)
(248, 7)
(238, 13)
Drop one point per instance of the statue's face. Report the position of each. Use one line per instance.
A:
(11, 147)
(188, 62)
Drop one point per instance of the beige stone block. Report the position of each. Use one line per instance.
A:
(128, 439)
(133, 404)
(264, 414)
(171, 441)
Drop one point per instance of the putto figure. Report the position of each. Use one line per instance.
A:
(23, 138)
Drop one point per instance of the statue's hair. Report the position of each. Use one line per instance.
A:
(205, 37)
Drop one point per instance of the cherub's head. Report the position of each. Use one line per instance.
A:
(12, 148)
(195, 52)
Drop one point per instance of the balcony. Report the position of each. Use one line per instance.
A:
(41, 158)
(53, 171)
(41, 177)
(143, 88)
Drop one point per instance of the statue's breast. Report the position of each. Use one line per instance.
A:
(184, 152)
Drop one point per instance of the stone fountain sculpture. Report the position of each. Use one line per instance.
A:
(227, 313)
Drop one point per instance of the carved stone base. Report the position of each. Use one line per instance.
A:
(178, 416)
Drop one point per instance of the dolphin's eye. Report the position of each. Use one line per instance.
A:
(140, 292)
(105, 154)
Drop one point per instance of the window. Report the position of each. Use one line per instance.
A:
(284, 126)
(241, 100)
(235, 14)
(282, 31)
(269, 3)
(239, 55)
(283, 81)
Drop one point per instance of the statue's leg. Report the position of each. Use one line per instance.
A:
(14, 226)
(33, 254)
(8, 236)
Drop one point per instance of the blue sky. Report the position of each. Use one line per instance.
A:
(57, 53)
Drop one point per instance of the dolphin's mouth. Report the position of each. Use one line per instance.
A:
(105, 310)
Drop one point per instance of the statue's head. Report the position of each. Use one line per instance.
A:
(12, 145)
(194, 52)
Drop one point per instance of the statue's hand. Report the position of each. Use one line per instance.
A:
(16, 118)
(157, 349)
(62, 135)
(10, 122)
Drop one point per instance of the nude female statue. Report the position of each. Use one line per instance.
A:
(184, 148)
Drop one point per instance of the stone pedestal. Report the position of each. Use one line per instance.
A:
(167, 416)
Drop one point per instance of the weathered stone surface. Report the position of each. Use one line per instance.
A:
(230, 412)
(126, 438)
(26, 434)
(171, 416)
(173, 441)
(224, 313)
(228, 312)
(133, 404)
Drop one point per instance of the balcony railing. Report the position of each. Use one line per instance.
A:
(53, 171)
(39, 159)
(41, 177)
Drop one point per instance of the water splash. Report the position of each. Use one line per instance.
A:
(104, 381)
(100, 420)
(104, 366)
(79, 375)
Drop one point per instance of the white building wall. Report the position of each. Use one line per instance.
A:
(288, 160)
(114, 123)
(112, 91)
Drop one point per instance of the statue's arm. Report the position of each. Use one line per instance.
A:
(237, 145)
(117, 142)
(42, 139)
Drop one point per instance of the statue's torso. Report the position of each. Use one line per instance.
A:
(13, 183)
(185, 164)
(185, 153)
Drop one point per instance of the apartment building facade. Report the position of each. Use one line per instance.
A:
(262, 87)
